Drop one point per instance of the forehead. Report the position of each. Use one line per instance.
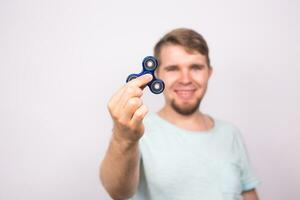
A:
(178, 55)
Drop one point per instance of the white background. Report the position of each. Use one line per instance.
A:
(61, 60)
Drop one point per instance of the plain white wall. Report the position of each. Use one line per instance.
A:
(61, 60)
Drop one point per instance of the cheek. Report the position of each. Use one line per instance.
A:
(169, 79)
(200, 78)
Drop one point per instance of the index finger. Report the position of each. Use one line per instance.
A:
(142, 80)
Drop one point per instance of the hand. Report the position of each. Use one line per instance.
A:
(128, 111)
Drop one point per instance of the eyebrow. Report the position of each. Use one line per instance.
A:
(190, 66)
(197, 65)
(171, 67)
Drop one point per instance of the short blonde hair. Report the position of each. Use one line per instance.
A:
(187, 38)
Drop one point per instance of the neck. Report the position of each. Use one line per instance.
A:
(194, 122)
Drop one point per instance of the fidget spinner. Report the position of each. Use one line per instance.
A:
(150, 64)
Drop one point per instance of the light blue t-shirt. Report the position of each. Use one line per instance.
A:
(177, 164)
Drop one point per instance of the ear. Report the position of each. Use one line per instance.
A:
(156, 72)
(210, 71)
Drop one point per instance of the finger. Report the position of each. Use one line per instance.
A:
(131, 89)
(132, 105)
(141, 81)
(139, 115)
(134, 88)
(115, 98)
(128, 93)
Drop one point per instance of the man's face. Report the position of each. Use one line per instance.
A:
(185, 75)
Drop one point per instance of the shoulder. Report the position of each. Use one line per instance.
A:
(227, 127)
(229, 134)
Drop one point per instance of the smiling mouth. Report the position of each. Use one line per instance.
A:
(185, 94)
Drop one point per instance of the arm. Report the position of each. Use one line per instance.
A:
(119, 170)
(248, 179)
(250, 195)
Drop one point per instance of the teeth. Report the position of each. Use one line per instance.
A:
(185, 93)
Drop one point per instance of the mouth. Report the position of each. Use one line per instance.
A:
(185, 94)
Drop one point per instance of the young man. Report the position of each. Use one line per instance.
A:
(179, 152)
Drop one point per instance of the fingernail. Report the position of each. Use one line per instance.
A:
(149, 76)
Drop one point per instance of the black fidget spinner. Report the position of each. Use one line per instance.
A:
(150, 64)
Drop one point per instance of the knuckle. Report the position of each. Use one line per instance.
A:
(139, 114)
(134, 102)
(140, 92)
(110, 107)
(129, 89)
(133, 90)
(114, 115)
(123, 122)
(134, 81)
(131, 102)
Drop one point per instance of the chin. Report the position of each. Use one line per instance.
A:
(185, 108)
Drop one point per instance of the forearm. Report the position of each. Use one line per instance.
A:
(250, 195)
(119, 170)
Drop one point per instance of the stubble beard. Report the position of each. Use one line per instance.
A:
(186, 110)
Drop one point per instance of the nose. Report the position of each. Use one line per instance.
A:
(185, 77)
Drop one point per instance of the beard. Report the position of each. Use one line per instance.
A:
(186, 109)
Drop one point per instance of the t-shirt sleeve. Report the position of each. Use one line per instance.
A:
(248, 179)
